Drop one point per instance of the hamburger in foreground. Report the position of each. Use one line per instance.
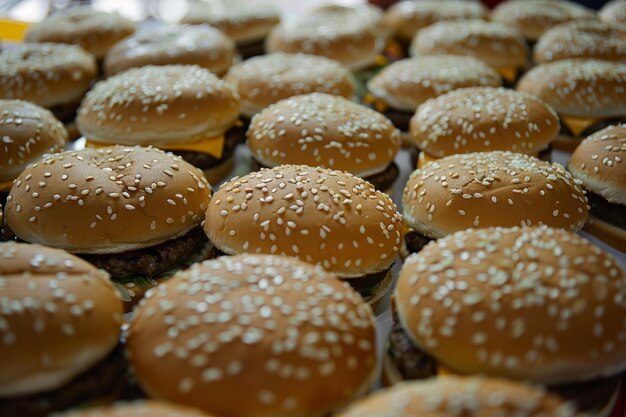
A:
(147, 408)
(134, 212)
(528, 304)
(61, 321)
(324, 217)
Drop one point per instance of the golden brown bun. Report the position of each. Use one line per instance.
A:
(496, 44)
(406, 84)
(321, 216)
(145, 408)
(608, 233)
(613, 12)
(483, 119)
(93, 30)
(582, 39)
(492, 189)
(107, 200)
(27, 132)
(405, 18)
(533, 18)
(158, 105)
(535, 304)
(600, 162)
(323, 130)
(350, 35)
(46, 74)
(579, 87)
(452, 396)
(266, 79)
(244, 21)
(200, 45)
(262, 336)
(60, 316)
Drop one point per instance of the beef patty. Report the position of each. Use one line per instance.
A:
(609, 212)
(248, 50)
(416, 241)
(66, 113)
(205, 161)
(565, 131)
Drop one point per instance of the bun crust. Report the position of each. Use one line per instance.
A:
(268, 343)
(266, 79)
(307, 212)
(483, 119)
(515, 316)
(28, 132)
(60, 314)
(492, 189)
(158, 105)
(108, 200)
(579, 87)
(346, 136)
(200, 45)
(46, 74)
(145, 408)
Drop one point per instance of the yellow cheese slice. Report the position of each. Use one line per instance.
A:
(211, 146)
(577, 125)
(424, 158)
(6, 186)
(509, 74)
(379, 105)
(12, 30)
(443, 371)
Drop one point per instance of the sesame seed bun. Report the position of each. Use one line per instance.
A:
(266, 79)
(349, 35)
(405, 18)
(244, 21)
(343, 135)
(200, 45)
(268, 343)
(158, 105)
(300, 211)
(449, 396)
(27, 132)
(144, 408)
(579, 87)
(498, 45)
(516, 316)
(582, 39)
(491, 189)
(107, 200)
(406, 84)
(613, 12)
(483, 119)
(46, 74)
(533, 18)
(60, 317)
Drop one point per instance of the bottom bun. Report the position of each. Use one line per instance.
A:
(606, 232)
(219, 172)
(380, 291)
(565, 143)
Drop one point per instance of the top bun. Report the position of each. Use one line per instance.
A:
(200, 45)
(47, 74)
(93, 30)
(244, 21)
(145, 408)
(406, 84)
(613, 12)
(108, 200)
(533, 18)
(60, 316)
(158, 105)
(452, 396)
(483, 119)
(579, 87)
(324, 217)
(600, 162)
(534, 304)
(266, 79)
(323, 130)
(405, 18)
(349, 35)
(27, 132)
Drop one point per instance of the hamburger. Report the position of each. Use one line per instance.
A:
(246, 22)
(613, 12)
(599, 163)
(28, 132)
(586, 93)
(500, 46)
(54, 76)
(61, 321)
(528, 304)
(329, 131)
(487, 189)
(324, 217)
(200, 45)
(266, 335)
(147, 408)
(180, 108)
(483, 119)
(134, 212)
